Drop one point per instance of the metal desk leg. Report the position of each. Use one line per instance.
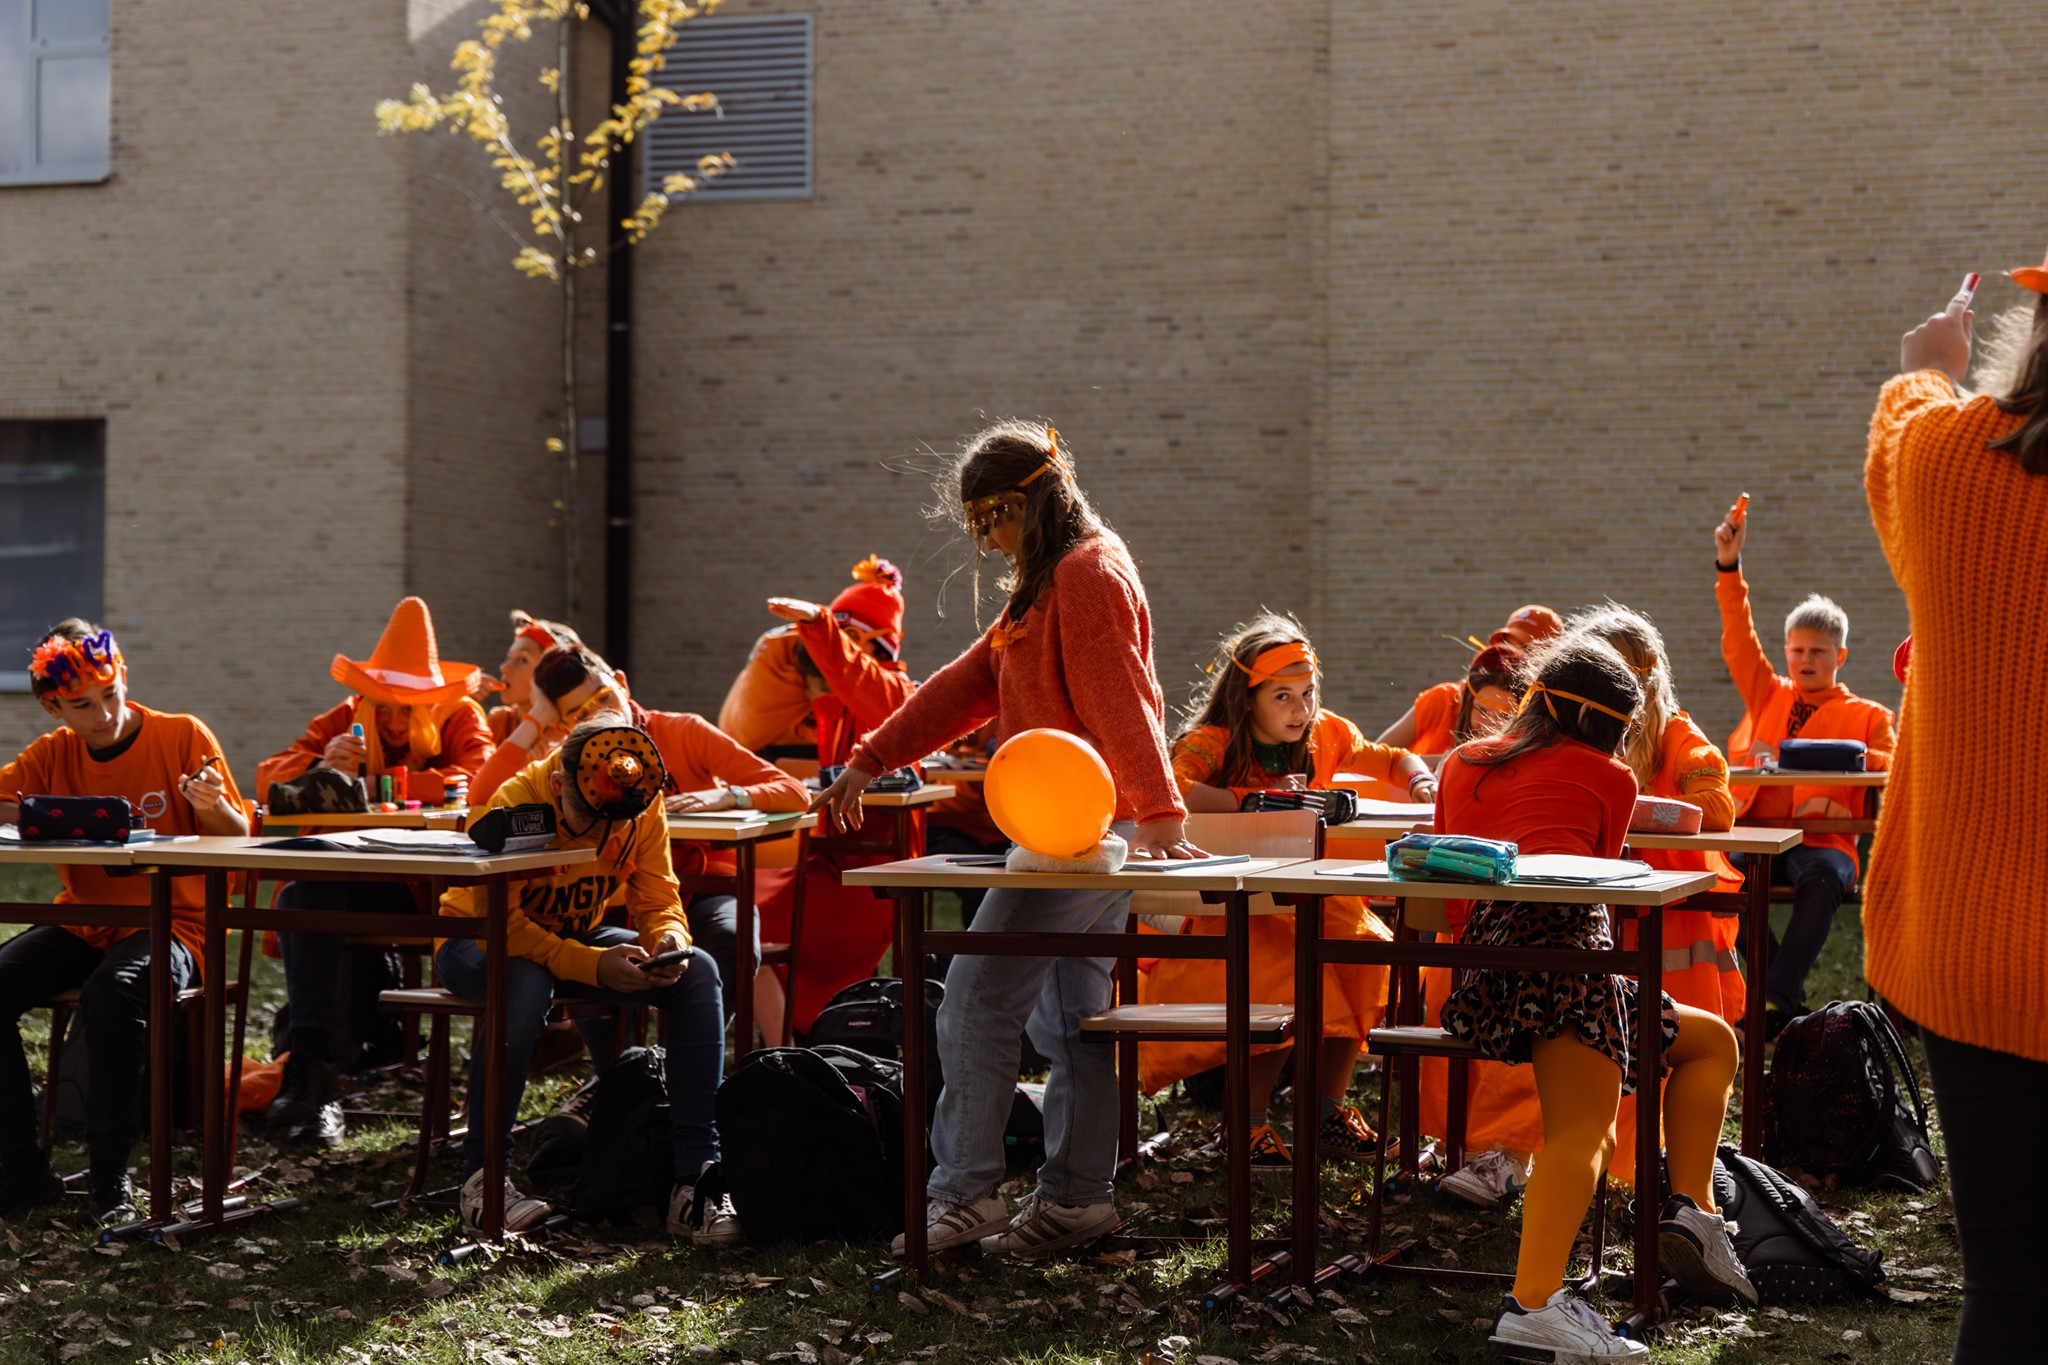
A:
(497, 981)
(160, 1063)
(911, 907)
(744, 963)
(214, 1157)
(1237, 994)
(1649, 1066)
(1308, 1042)
(1756, 944)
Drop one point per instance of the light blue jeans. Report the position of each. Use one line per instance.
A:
(990, 1003)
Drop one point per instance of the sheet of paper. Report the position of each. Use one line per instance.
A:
(1565, 869)
(1374, 870)
(1190, 864)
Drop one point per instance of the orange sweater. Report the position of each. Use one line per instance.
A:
(767, 705)
(465, 745)
(864, 690)
(1079, 661)
(166, 747)
(1954, 924)
(1769, 702)
(1436, 717)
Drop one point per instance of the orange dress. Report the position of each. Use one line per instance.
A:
(1701, 968)
(1354, 996)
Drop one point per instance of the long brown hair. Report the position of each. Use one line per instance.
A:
(2029, 394)
(1224, 699)
(1499, 666)
(1641, 647)
(1055, 517)
(1578, 663)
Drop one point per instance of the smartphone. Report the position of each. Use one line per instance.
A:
(670, 959)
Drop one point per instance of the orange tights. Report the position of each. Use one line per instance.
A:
(1580, 1090)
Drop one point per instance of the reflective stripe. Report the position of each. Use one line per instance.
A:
(1698, 952)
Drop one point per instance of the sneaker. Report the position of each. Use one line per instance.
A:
(1488, 1179)
(310, 1115)
(110, 1200)
(1564, 1331)
(703, 1212)
(1345, 1133)
(521, 1211)
(1697, 1249)
(1269, 1153)
(27, 1183)
(1042, 1227)
(948, 1225)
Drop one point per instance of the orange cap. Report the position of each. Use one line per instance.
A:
(1528, 625)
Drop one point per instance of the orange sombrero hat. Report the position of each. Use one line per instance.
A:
(406, 668)
(2034, 277)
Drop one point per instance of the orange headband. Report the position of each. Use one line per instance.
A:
(1268, 664)
(1549, 692)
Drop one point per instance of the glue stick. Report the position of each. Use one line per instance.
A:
(362, 763)
(1741, 512)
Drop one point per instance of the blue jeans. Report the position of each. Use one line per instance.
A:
(990, 1003)
(694, 1038)
(1820, 878)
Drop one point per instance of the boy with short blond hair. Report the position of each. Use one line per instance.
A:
(170, 770)
(1806, 702)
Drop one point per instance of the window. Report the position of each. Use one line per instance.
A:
(53, 513)
(54, 91)
(760, 69)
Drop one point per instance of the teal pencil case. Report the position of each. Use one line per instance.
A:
(1450, 857)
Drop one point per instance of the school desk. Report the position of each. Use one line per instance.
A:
(1873, 782)
(437, 817)
(911, 884)
(218, 857)
(1306, 884)
(743, 835)
(155, 919)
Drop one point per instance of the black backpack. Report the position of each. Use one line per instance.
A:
(868, 1017)
(1793, 1252)
(813, 1141)
(1836, 1104)
(628, 1156)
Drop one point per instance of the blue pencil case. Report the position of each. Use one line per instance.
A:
(1450, 857)
(1822, 755)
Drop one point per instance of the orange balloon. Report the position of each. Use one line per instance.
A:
(1050, 792)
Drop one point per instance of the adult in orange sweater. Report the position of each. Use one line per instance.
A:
(169, 770)
(1071, 651)
(707, 771)
(416, 716)
(1450, 713)
(1807, 701)
(1670, 757)
(1953, 913)
(604, 785)
(1259, 727)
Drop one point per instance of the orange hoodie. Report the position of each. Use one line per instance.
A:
(699, 756)
(1770, 702)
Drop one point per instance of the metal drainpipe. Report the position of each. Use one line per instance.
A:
(618, 368)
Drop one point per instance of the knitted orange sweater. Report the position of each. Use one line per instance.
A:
(1955, 913)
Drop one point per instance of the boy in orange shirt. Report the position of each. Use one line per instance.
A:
(1808, 704)
(167, 767)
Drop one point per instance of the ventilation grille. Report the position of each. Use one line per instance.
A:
(760, 69)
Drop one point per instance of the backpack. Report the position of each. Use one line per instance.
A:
(813, 1140)
(868, 1017)
(1835, 1106)
(628, 1152)
(1793, 1252)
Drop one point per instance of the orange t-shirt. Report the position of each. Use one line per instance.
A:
(1566, 797)
(165, 748)
(1436, 718)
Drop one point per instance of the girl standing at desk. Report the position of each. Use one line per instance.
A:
(1072, 651)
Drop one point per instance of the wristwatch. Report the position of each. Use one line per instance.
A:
(742, 799)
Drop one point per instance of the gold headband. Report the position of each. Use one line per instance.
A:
(1548, 692)
(984, 512)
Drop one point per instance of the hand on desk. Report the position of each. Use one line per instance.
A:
(1164, 839)
(718, 798)
(839, 804)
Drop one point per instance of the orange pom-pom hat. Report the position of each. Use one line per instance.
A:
(406, 668)
(873, 607)
(71, 668)
(619, 772)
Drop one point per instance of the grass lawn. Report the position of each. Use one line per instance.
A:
(336, 1281)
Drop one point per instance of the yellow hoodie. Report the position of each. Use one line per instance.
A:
(634, 859)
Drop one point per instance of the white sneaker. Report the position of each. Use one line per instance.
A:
(1697, 1249)
(1488, 1178)
(1564, 1331)
(1042, 1227)
(948, 1225)
(521, 1212)
(703, 1212)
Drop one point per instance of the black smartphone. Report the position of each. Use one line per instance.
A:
(670, 959)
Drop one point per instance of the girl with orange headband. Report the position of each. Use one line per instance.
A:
(1071, 651)
(1670, 757)
(1551, 782)
(531, 638)
(1450, 713)
(1256, 726)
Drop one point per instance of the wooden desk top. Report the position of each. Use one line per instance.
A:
(1741, 839)
(935, 870)
(237, 854)
(1785, 777)
(698, 829)
(86, 855)
(954, 776)
(1380, 827)
(439, 817)
(924, 796)
(1302, 879)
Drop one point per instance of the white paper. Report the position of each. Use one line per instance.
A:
(1566, 869)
